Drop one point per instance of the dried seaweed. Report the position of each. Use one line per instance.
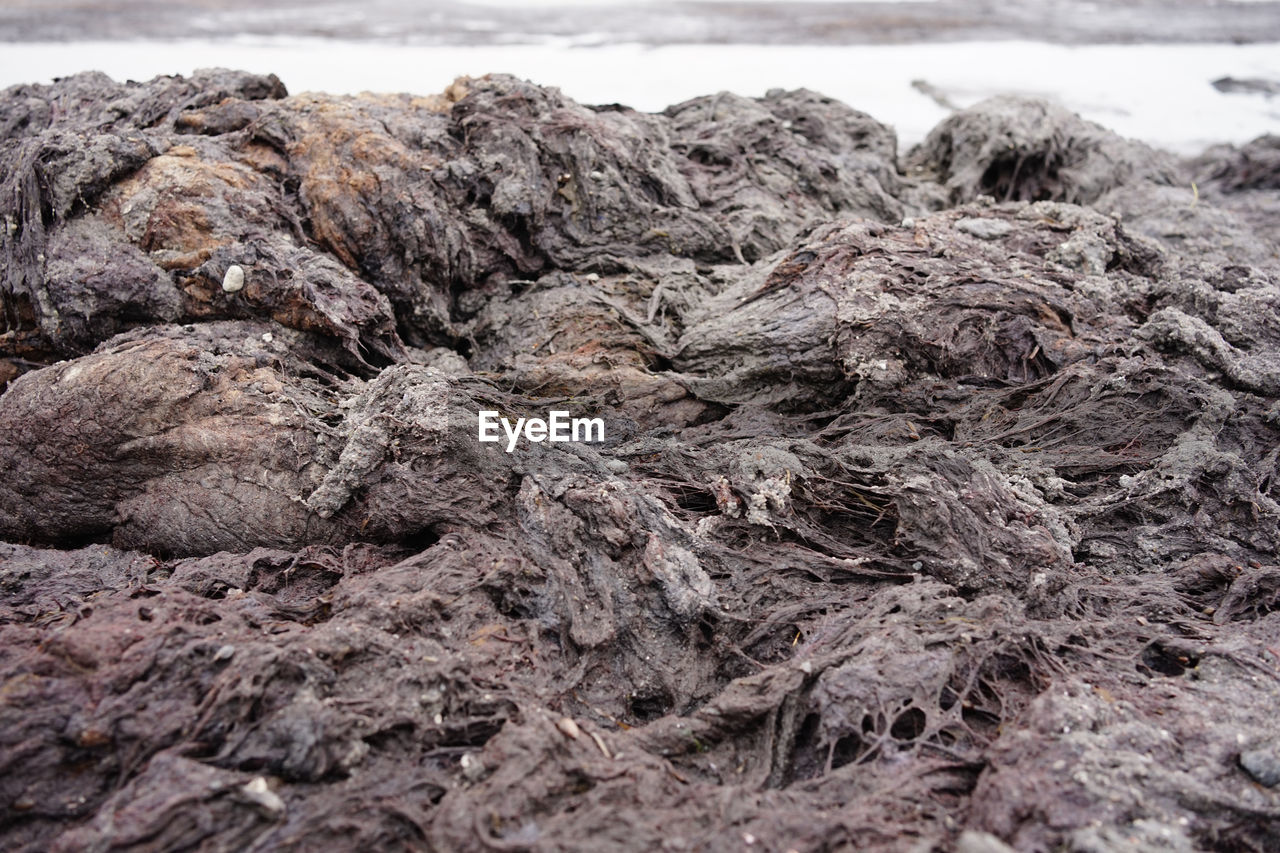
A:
(936, 507)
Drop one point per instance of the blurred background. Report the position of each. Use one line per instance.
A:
(1181, 74)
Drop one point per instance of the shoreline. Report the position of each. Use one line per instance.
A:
(656, 23)
(1168, 102)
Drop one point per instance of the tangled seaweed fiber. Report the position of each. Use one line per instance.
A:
(936, 508)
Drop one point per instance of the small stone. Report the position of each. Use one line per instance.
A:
(984, 229)
(90, 738)
(568, 728)
(233, 281)
(224, 652)
(260, 794)
(267, 337)
(472, 767)
(1263, 765)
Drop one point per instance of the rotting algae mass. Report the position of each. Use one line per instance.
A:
(935, 496)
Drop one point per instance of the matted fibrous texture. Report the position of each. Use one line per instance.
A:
(935, 508)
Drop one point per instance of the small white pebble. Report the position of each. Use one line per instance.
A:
(568, 728)
(259, 792)
(267, 337)
(472, 767)
(233, 281)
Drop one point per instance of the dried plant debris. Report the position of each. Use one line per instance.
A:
(935, 508)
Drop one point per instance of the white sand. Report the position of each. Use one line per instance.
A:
(1158, 93)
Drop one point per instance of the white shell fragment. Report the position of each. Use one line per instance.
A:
(600, 745)
(234, 279)
(472, 767)
(261, 795)
(568, 728)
